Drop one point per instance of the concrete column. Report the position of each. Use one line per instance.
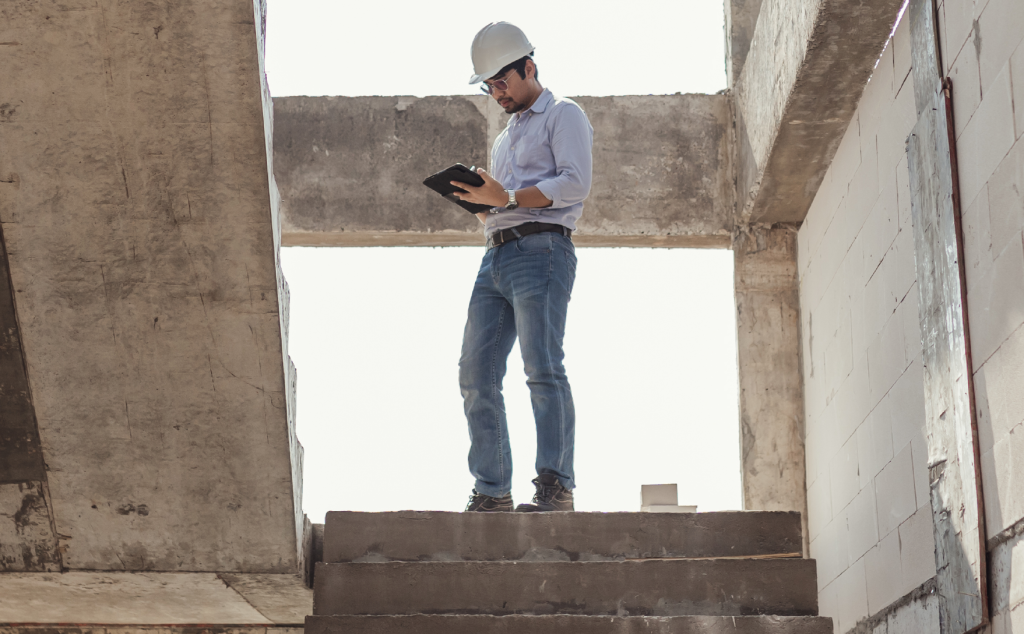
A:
(141, 231)
(771, 389)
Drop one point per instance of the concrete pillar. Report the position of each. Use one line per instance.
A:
(141, 231)
(771, 388)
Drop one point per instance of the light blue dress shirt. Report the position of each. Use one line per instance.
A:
(547, 145)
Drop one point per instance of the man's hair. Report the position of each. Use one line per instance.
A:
(520, 67)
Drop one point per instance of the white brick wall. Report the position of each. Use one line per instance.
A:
(868, 500)
(868, 507)
(984, 50)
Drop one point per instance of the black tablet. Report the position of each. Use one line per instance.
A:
(441, 183)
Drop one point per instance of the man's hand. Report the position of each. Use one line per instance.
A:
(491, 193)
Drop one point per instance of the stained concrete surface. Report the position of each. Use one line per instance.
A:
(771, 384)
(148, 629)
(138, 217)
(280, 598)
(954, 470)
(559, 624)
(153, 598)
(740, 23)
(436, 536)
(27, 542)
(801, 82)
(785, 587)
(351, 169)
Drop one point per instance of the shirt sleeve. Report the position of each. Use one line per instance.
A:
(572, 139)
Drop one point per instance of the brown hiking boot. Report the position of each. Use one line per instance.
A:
(480, 503)
(550, 496)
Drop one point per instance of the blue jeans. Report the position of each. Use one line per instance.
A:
(523, 290)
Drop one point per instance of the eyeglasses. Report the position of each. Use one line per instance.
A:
(501, 84)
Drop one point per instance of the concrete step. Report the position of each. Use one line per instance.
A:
(436, 536)
(652, 587)
(562, 624)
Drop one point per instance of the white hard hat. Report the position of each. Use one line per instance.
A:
(497, 45)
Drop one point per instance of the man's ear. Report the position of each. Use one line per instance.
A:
(531, 69)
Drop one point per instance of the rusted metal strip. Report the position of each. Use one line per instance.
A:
(951, 421)
(947, 96)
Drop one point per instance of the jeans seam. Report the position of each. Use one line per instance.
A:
(494, 398)
(547, 354)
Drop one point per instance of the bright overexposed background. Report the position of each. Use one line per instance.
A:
(376, 333)
(411, 47)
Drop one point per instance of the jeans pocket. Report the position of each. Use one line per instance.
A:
(535, 243)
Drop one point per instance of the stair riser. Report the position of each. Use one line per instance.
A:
(634, 588)
(435, 536)
(421, 624)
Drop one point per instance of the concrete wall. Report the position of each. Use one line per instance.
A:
(351, 169)
(867, 474)
(868, 497)
(139, 223)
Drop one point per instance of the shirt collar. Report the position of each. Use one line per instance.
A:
(541, 104)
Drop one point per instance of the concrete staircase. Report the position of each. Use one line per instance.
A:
(571, 573)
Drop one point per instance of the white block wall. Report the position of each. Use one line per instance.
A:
(868, 506)
(868, 499)
(984, 48)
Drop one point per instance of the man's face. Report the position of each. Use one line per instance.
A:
(517, 94)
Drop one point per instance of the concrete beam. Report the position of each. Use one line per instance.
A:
(350, 170)
(801, 81)
(138, 219)
(771, 383)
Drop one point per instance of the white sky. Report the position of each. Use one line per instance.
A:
(376, 333)
(389, 47)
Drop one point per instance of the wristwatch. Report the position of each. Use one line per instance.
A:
(511, 204)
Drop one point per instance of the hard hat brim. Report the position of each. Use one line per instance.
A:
(479, 77)
(476, 79)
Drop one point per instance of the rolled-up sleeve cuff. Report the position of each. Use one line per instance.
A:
(550, 190)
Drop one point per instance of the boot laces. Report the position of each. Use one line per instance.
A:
(473, 498)
(545, 492)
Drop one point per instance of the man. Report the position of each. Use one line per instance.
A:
(542, 172)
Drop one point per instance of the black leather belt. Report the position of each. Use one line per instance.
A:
(499, 238)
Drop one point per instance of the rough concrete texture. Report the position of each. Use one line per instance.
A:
(802, 79)
(915, 613)
(351, 169)
(785, 587)
(560, 624)
(27, 542)
(168, 598)
(771, 387)
(279, 598)
(21, 452)
(151, 629)
(435, 536)
(740, 22)
(954, 470)
(137, 212)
